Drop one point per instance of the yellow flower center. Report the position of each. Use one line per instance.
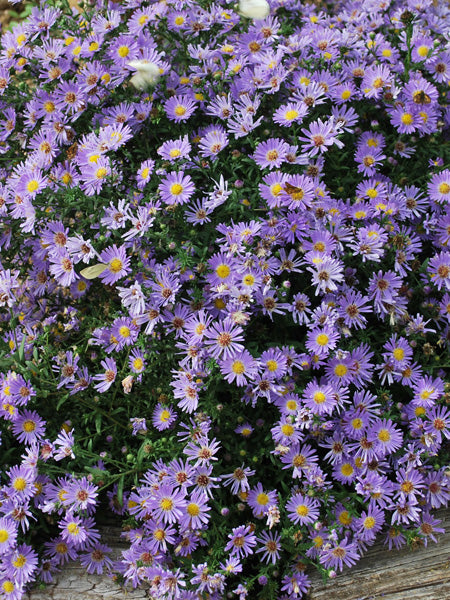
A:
(115, 265)
(345, 517)
(407, 119)
(193, 509)
(340, 370)
(176, 189)
(138, 363)
(262, 499)
(101, 173)
(302, 510)
(238, 367)
(19, 484)
(73, 529)
(223, 271)
(29, 426)
(32, 185)
(399, 354)
(319, 397)
(387, 52)
(4, 536)
(287, 430)
(164, 416)
(272, 365)
(357, 423)
(123, 51)
(422, 51)
(66, 178)
(291, 405)
(347, 469)
(174, 152)
(384, 435)
(180, 110)
(322, 339)
(346, 94)
(20, 561)
(291, 115)
(179, 20)
(166, 504)
(8, 587)
(444, 188)
(124, 331)
(93, 46)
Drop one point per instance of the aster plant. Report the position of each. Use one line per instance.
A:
(224, 289)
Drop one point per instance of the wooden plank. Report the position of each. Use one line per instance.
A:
(406, 574)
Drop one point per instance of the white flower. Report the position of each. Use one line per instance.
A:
(254, 9)
(147, 73)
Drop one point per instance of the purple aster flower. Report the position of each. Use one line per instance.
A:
(168, 504)
(179, 108)
(118, 264)
(96, 560)
(292, 112)
(61, 267)
(383, 288)
(285, 432)
(238, 479)
(107, 378)
(369, 524)
(144, 173)
(320, 135)
(73, 530)
(388, 439)
(321, 341)
(240, 368)
(439, 269)
(398, 352)
(81, 494)
(271, 546)
(241, 541)
(21, 482)
(223, 339)
(437, 422)
(271, 153)
(302, 509)
(28, 427)
(427, 390)
(22, 564)
(437, 488)
(163, 417)
(259, 500)
(177, 188)
(173, 150)
(213, 142)
(64, 444)
(295, 585)
(196, 511)
(409, 483)
(124, 331)
(320, 399)
(202, 452)
(339, 554)
(8, 535)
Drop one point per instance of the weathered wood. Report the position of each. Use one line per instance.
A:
(406, 574)
(420, 574)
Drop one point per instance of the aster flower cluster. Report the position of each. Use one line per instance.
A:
(224, 289)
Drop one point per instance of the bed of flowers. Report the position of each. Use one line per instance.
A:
(224, 289)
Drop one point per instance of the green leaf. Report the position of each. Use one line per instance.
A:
(120, 490)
